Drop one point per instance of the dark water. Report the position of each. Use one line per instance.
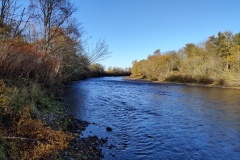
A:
(159, 121)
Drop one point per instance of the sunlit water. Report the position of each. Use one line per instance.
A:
(159, 121)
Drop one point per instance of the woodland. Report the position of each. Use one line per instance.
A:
(215, 61)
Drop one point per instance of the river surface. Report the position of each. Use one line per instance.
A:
(159, 121)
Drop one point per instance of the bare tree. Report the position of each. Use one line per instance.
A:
(52, 15)
(98, 52)
(13, 18)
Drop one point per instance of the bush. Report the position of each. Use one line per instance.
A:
(20, 60)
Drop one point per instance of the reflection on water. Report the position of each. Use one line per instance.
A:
(160, 121)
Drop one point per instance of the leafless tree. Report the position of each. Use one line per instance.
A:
(13, 18)
(52, 15)
(98, 52)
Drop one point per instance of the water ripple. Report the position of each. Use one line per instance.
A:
(160, 121)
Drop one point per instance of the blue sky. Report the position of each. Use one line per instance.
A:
(133, 29)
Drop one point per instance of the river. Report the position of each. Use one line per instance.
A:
(159, 121)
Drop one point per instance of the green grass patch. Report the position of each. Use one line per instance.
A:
(35, 95)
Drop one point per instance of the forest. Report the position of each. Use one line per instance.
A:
(215, 61)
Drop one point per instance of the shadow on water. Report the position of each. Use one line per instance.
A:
(159, 121)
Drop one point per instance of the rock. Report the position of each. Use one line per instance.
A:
(109, 129)
(111, 146)
(83, 148)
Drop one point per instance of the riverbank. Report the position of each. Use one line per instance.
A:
(80, 147)
(216, 85)
(34, 124)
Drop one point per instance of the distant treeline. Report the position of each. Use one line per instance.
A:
(97, 70)
(215, 61)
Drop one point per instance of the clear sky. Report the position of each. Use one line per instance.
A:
(133, 29)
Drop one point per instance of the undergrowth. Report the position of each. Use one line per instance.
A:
(22, 134)
(190, 79)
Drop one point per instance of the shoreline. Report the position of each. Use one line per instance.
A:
(80, 147)
(29, 105)
(181, 83)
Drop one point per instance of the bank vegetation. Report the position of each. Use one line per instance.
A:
(41, 48)
(215, 61)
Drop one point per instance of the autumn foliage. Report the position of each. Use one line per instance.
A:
(215, 61)
(19, 60)
(40, 49)
(40, 141)
(25, 137)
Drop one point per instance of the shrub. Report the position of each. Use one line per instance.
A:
(20, 60)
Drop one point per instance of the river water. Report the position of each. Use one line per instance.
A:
(159, 121)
